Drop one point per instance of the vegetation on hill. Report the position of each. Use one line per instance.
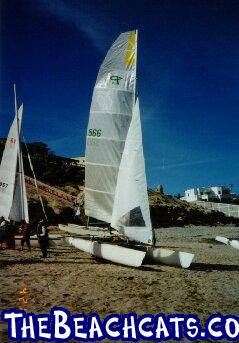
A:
(48, 167)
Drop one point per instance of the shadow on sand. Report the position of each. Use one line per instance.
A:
(151, 269)
(207, 267)
(6, 263)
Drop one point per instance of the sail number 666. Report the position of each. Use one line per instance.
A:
(95, 132)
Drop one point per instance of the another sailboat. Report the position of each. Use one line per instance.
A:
(231, 242)
(115, 181)
(13, 199)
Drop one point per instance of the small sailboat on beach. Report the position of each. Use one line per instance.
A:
(13, 195)
(231, 242)
(13, 198)
(115, 180)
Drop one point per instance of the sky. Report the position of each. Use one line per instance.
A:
(188, 79)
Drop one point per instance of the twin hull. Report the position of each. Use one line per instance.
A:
(132, 257)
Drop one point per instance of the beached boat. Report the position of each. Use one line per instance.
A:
(90, 231)
(13, 195)
(231, 242)
(115, 180)
(13, 198)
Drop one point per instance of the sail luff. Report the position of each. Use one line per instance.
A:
(20, 161)
(136, 58)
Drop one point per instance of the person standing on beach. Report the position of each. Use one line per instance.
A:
(2, 232)
(25, 232)
(42, 234)
(10, 234)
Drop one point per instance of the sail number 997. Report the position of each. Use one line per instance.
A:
(94, 132)
(3, 184)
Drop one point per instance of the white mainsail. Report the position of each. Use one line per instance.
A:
(131, 215)
(19, 209)
(110, 117)
(8, 166)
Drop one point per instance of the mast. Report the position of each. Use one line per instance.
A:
(136, 53)
(20, 167)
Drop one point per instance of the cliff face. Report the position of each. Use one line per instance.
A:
(62, 188)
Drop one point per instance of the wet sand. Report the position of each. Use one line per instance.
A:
(77, 281)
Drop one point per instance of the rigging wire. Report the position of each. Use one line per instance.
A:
(35, 180)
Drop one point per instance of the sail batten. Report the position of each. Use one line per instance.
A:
(90, 189)
(110, 117)
(111, 114)
(105, 165)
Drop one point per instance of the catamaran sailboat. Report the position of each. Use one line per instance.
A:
(115, 180)
(13, 198)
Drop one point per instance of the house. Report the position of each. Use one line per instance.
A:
(80, 161)
(212, 193)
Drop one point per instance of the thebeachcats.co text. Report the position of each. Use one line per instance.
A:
(60, 326)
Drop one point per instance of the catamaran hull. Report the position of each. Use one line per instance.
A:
(170, 257)
(110, 252)
(83, 231)
(54, 240)
(221, 239)
(233, 243)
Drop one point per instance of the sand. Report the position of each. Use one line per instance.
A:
(77, 281)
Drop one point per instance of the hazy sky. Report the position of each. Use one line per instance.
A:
(188, 79)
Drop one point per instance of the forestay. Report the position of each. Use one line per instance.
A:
(131, 216)
(110, 117)
(8, 167)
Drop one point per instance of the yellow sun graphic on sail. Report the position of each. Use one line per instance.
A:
(129, 58)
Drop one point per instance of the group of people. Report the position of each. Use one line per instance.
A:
(9, 229)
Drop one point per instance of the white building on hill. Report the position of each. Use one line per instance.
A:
(212, 193)
(79, 160)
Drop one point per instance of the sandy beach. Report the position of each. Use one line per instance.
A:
(77, 281)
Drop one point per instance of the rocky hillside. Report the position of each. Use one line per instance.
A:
(167, 211)
(61, 177)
